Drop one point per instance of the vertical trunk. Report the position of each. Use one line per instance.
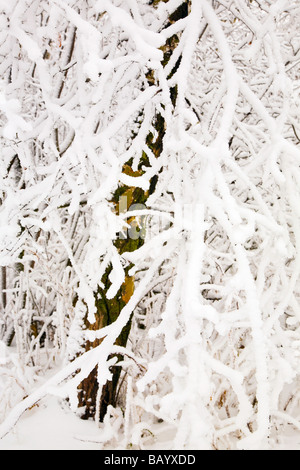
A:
(109, 310)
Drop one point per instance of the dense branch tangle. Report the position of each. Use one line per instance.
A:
(168, 103)
(54, 73)
(108, 310)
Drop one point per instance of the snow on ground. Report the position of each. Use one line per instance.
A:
(51, 426)
(47, 426)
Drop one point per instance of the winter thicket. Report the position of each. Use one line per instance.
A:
(149, 210)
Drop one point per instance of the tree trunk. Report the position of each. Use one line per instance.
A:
(109, 310)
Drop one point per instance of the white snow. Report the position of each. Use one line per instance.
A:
(212, 360)
(51, 426)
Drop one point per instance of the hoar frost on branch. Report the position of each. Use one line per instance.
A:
(194, 106)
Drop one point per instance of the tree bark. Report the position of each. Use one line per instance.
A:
(109, 310)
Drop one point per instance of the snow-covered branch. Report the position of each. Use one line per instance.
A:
(175, 123)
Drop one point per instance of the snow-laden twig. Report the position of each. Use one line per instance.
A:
(86, 90)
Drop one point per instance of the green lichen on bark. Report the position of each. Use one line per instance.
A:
(107, 312)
